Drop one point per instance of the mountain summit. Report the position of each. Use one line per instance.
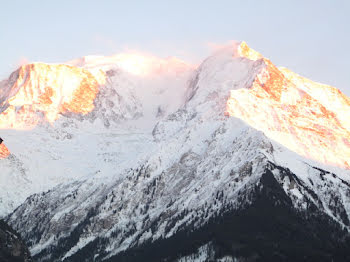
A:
(137, 158)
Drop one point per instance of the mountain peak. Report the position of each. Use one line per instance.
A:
(245, 51)
(307, 117)
(237, 49)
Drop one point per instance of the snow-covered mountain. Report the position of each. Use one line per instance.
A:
(137, 158)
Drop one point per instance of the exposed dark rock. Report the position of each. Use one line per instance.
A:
(12, 248)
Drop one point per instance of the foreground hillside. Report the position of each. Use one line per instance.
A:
(12, 248)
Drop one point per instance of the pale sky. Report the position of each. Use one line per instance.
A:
(309, 37)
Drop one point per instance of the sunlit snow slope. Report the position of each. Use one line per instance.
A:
(307, 117)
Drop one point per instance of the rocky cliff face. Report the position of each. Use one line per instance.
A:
(12, 248)
(4, 152)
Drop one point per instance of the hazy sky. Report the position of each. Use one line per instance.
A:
(309, 37)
